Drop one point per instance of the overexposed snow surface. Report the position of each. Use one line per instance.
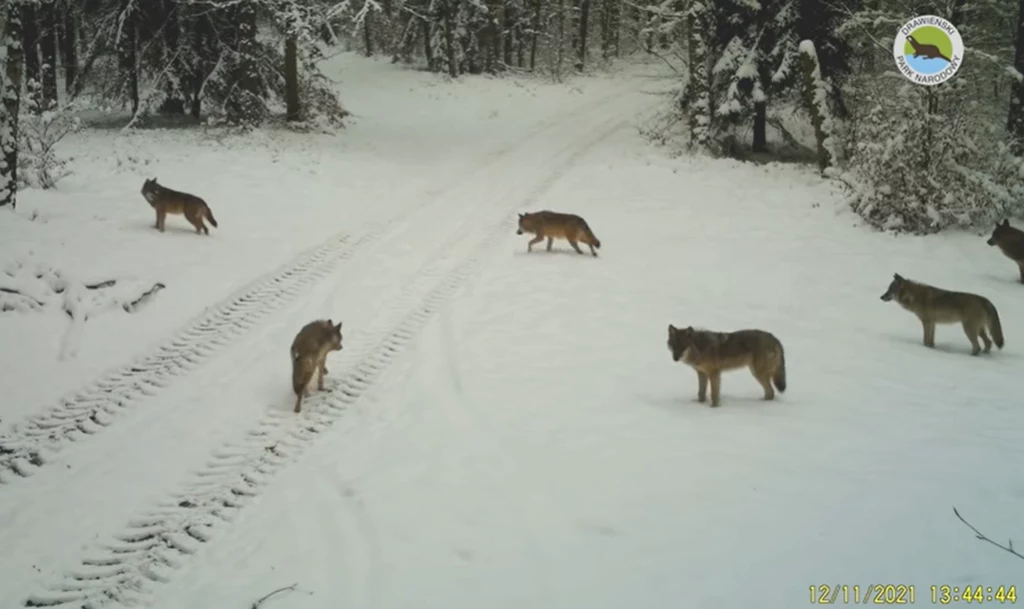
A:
(502, 429)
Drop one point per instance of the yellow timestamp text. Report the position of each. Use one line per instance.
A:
(871, 594)
(903, 594)
(948, 595)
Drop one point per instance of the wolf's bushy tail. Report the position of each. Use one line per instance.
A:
(209, 216)
(593, 238)
(994, 325)
(780, 376)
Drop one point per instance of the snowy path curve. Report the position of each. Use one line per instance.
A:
(151, 547)
(35, 442)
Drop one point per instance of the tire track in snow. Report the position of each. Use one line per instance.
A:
(32, 444)
(150, 548)
(35, 442)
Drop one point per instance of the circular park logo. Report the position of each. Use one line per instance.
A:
(928, 50)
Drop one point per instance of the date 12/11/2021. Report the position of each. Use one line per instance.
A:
(902, 594)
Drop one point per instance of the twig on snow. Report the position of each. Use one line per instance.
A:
(259, 602)
(1007, 548)
(34, 302)
(131, 306)
(103, 284)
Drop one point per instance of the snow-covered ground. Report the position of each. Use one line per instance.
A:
(502, 429)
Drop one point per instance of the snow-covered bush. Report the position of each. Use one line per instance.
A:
(41, 126)
(923, 159)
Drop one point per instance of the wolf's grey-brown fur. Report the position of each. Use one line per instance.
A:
(934, 305)
(309, 355)
(1010, 241)
(169, 201)
(711, 353)
(551, 225)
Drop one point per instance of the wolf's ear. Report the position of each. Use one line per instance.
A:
(338, 327)
(1006, 222)
(897, 277)
(522, 215)
(330, 322)
(671, 330)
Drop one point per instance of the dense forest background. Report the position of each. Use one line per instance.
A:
(913, 158)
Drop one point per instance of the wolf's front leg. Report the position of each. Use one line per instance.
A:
(702, 387)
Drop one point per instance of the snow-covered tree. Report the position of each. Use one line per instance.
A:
(10, 98)
(816, 101)
(1015, 115)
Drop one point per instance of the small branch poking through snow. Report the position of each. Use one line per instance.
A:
(259, 602)
(130, 307)
(33, 302)
(103, 284)
(1007, 548)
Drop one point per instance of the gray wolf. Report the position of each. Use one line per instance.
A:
(310, 349)
(169, 201)
(550, 224)
(1011, 241)
(711, 353)
(934, 305)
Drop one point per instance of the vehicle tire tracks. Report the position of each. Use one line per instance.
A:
(149, 548)
(34, 442)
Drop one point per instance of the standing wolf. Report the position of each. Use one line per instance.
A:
(1011, 241)
(552, 224)
(309, 355)
(937, 306)
(168, 201)
(711, 353)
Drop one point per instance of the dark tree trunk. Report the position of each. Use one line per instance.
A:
(573, 25)
(428, 48)
(520, 42)
(700, 112)
(30, 41)
(291, 77)
(1015, 119)
(128, 53)
(508, 25)
(168, 23)
(760, 143)
(560, 27)
(449, 37)
(581, 50)
(245, 104)
(10, 94)
(605, 30)
(535, 32)
(69, 45)
(204, 55)
(403, 52)
(368, 33)
(616, 25)
(48, 51)
(495, 49)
